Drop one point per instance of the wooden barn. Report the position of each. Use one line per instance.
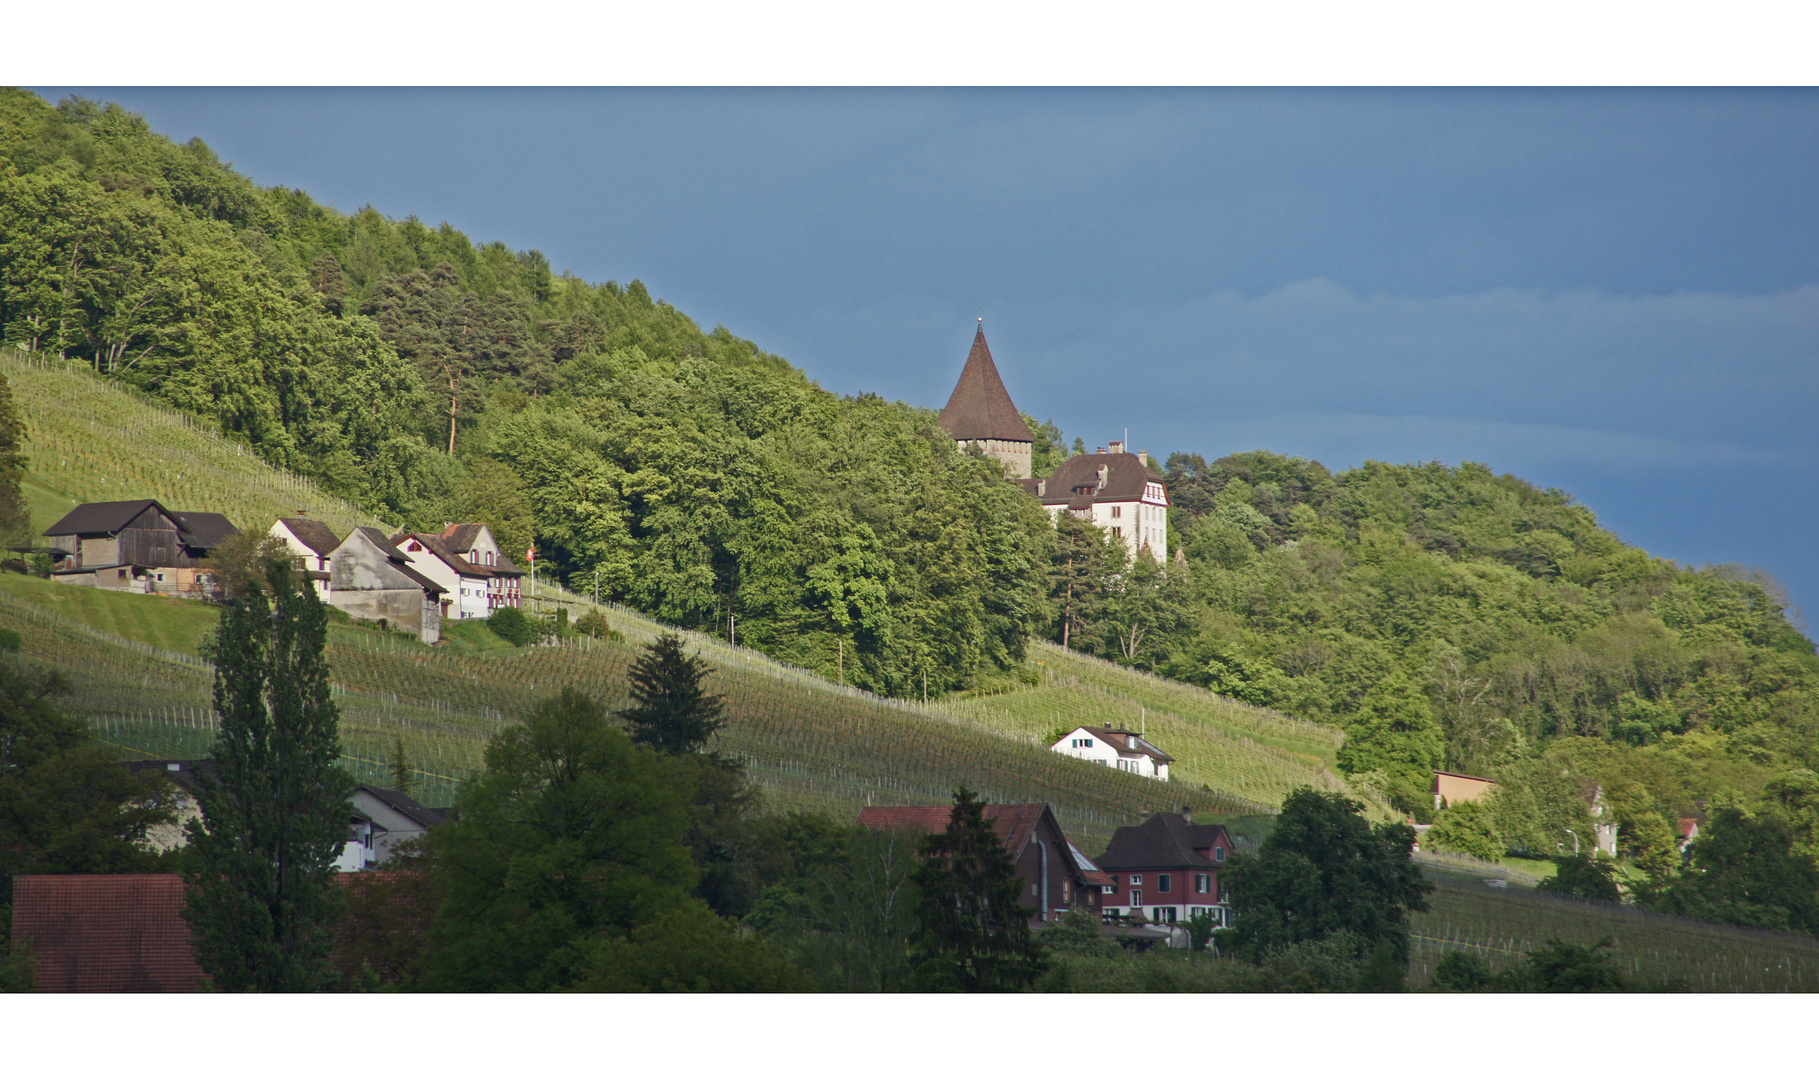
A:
(137, 546)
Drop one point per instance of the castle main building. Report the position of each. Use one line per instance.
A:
(1113, 489)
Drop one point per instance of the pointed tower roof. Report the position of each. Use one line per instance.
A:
(980, 407)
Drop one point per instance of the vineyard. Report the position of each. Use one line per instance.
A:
(92, 441)
(1500, 925)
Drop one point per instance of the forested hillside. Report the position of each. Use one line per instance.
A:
(427, 378)
(1452, 618)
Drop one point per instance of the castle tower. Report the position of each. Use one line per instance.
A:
(980, 412)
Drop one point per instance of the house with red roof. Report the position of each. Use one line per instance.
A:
(1166, 870)
(1058, 876)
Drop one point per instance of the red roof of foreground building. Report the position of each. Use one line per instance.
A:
(105, 933)
(980, 407)
(1015, 824)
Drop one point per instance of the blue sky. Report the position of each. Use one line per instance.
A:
(1614, 292)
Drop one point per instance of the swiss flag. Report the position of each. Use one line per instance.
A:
(530, 553)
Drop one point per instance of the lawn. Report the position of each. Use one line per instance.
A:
(161, 621)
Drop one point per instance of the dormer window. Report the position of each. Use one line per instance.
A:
(1218, 853)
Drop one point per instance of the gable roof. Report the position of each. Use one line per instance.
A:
(313, 534)
(405, 805)
(1125, 475)
(1126, 742)
(188, 775)
(104, 517)
(435, 546)
(112, 933)
(980, 407)
(1163, 841)
(394, 556)
(462, 534)
(1015, 824)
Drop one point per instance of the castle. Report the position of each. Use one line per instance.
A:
(1110, 487)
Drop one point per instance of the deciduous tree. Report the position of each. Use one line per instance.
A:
(262, 900)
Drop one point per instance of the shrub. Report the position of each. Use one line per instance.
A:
(1468, 828)
(514, 626)
(594, 625)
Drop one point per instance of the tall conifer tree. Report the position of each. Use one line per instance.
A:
(262, 896)
(972, 933)
(671, 712)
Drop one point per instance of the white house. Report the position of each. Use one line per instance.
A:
(382, 819)
(1123, 750)
(468, 587)
(311, 542)
(1114, 490)
(473, 541)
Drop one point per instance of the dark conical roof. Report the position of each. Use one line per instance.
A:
(981, 408)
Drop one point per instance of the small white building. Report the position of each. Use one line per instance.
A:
(473, 541)
(1126, 751)
(382, 819)
(310, 542)
(1114, 490)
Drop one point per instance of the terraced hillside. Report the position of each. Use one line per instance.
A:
(812, 744)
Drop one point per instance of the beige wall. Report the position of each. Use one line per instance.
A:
(1450, 790)
(1015, 455)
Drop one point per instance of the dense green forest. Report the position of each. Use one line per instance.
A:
(1451, 618)
(429, 378)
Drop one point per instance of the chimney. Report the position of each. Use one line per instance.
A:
(1098, 449)
(1117, 447)
(1103, 472)
(1041, 488)
(1143, 456)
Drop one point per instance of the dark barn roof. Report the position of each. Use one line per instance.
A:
(409, 807)
(980, 407)
(92, 519)
(198, 529)
(204, 530)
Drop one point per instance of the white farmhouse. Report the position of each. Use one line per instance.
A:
(468, 587)
(473, 541)
(1114, 490)
(310, 542)
(1123, 750)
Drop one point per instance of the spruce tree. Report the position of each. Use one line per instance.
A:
(263, 902)
(972, 934)
(671, 712)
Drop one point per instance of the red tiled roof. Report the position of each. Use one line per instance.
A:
(115, 933)
(107, 933)
(981, 407)
(1013, 821)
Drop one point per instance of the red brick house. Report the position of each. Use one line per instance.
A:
(1167, 870)
(1058, 876)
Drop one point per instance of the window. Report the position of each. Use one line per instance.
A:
(1118, 531)
(1164, 914)
(1203, 883)
(1218, 854)
(1034, 889)
(1136, 879)
(1164, 882)
(1225, 895)
(1136, 898)
(1117, 511)
(1109, 889)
